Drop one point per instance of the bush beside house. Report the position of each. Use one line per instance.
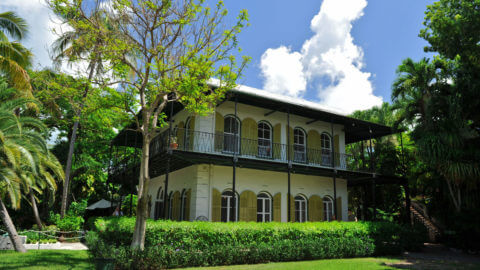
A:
(177, 244)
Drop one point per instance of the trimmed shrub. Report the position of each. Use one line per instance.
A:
(170, 244)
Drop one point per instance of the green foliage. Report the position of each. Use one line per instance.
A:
(77, 208)
(73, 220)
(130, 199)
(67, 223)
(179, 244)
(44, 238)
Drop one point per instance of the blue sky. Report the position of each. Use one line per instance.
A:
(387, 33)
(340, 53)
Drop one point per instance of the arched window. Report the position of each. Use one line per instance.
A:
(327, 208)
(228, 206)
(170, 205)
(188, 134)
(326, 144)
(300, 208)
(299, 145)
(183, 205)
(158, 212)
(264, 207)
(231, 132)
(264, 140)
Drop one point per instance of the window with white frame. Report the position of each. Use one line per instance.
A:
(231, 132)
(326, 144)
(299, 147)
(228, 208)
(158, 212)
(188, 134)
(264, 140)
(327, 208)
(300, 208)
(264, 207)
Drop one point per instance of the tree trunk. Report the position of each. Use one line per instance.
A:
(138, 240)
(12, 232)
(35, 210)
(68, 168)
(456, 201)
(73, 138)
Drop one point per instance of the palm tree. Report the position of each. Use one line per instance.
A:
(14, 57)
(25, 162)
(412, 89)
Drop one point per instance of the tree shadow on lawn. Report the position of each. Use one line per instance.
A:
(45, 259)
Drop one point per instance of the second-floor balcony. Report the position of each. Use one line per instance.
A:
(222, 143)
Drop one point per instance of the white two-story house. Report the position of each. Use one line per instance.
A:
(259, 157)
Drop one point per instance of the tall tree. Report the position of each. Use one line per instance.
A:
(429, 99)
(73, 46)
(178, 46)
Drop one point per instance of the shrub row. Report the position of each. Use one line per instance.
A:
(176, 244)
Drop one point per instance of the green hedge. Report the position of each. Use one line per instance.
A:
(171, 244)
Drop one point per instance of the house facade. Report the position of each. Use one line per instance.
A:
(257, 157)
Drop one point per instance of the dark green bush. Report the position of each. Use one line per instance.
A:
(176, 244)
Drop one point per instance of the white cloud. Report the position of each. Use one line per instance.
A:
(332, 63)
(283, 71)
(44, 28)
(40, 21)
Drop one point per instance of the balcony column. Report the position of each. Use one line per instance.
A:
(233, 216)
(108, 174)
(334, 171)
(405, 185)
(169, 156)
(289, 167)
(373, 185)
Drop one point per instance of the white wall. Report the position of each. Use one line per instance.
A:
(177, 181)
(258, 114)
(274, 182)
(203, 178)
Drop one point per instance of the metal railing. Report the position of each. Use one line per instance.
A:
(230, 144)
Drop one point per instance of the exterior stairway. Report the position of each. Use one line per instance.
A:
(419, 215)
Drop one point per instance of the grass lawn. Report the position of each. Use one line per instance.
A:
(355, 263)
(45, 259)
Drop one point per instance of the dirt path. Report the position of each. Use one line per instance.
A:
(58, 245)
(436, 256)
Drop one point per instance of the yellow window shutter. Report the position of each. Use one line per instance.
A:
(314, 147)
(336, 147)
(277, 140)
(249, 136)
(292, 209)
(277, 207)
(216, 205)
(187, 204)
(339, 208)
(248, 206)
(243, 206)
(252, 206)
(181, 135)
(219, 128)
(314, 208)
(176, 206)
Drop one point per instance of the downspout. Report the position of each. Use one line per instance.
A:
(334, 172)
(233, 216)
